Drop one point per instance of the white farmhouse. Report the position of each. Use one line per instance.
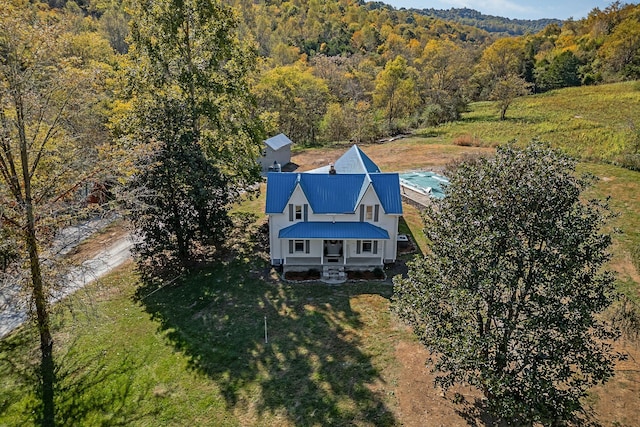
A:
(344, 216)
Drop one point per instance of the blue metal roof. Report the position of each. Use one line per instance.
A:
(387, 187)
(333, 231)
(332, 194)
(280, 186)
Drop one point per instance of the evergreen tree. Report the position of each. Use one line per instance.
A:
(509, 294)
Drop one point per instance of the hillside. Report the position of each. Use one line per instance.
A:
(489, 23)
(592, 123)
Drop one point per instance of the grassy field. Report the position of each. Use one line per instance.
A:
(194, 352)
(590, 123)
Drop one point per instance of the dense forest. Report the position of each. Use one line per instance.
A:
(355, 70)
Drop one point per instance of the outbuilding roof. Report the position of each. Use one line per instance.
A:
(333, 231)
(278, 141)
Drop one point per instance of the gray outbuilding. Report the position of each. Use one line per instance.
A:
(276, 153)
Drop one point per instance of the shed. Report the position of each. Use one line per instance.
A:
(276, 150)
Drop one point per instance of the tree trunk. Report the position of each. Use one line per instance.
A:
(47, 372)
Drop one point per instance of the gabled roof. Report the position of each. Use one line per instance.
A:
(278, 141)
(332, 194)
(387, 187)
(354, 160)
(333, 230)
(280, 187)
(337, 193)
(326, 194)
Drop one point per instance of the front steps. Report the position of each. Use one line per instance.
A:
(333, 274)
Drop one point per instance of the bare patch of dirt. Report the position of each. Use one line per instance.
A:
(421, 404)
(617, 403)
(393, 156)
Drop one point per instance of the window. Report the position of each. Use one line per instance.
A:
(368, 213)
(367, 246)
(299, 246)
(298, 212)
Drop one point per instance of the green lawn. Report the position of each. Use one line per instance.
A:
(590, 122)
(194, 353)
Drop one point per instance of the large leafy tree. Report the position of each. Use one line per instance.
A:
(395, 92)
(508, 297)
(49, 143)
(297, 97)
(561, 71)
(181, 198)
(445, 68)
(192, 108)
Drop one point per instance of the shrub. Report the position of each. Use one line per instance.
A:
(467, 140)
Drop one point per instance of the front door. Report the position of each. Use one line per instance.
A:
(333, 249)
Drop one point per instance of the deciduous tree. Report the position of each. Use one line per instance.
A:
(299, 98)
(506, 90)
(46, 155)
(444, 70)
(189, 81)
(508, 296)
(395, 91)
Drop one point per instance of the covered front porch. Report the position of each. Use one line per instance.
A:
(327, 245)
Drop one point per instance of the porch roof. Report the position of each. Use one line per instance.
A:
(333, 231)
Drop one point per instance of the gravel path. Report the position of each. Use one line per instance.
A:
(13, 309)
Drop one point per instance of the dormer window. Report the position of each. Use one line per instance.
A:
(369, 213)
(298, 212)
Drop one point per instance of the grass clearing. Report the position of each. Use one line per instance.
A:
(588, 122)
(194, 353)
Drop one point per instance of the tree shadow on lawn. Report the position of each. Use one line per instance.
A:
(89, 390)
(312, 371)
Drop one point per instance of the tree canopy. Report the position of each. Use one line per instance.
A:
(508, 296)
(191, 106)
